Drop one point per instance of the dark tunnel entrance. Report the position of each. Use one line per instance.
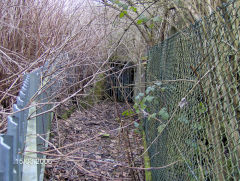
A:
(121, 81)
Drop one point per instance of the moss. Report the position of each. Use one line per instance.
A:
(99, 87)
(114, 58)
(119, 58)
(96, 93)
(68, 113)
(148, 174)
(86, 102)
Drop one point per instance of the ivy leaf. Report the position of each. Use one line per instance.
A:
(125, 6)
(202, 108)
(124, 113)
(158, 83)
(157, 19)
(135, 106)
(144, 100)
(163, 89)
(156, 102)
(143, 105)
(143, 18)
(149, 98)
(138, 97)
(151, 26)
(121, 15)
(122, 5)
(197, 126)
(149, 89)
(152, 116)
(139, 21)
(127, 113)
(183, 119)
(136, 124)
(133, 9)
(164, 114)
(161, 128)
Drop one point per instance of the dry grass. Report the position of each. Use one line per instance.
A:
(34, 31)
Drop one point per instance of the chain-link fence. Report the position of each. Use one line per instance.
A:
(196, 76)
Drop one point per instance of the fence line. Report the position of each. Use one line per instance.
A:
(198, 117)
(15, 163)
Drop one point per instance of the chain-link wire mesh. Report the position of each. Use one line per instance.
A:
(197, 76)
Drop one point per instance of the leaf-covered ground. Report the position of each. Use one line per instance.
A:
(90, 146)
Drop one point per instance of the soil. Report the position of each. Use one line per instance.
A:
(90, 146)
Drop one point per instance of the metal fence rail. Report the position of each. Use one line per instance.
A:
(15, 164)
(195, 76)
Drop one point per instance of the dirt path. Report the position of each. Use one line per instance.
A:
(88, 156)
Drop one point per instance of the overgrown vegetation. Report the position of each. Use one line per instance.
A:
(81, 38)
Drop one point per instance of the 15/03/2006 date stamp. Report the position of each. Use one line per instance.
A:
(34, 161)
